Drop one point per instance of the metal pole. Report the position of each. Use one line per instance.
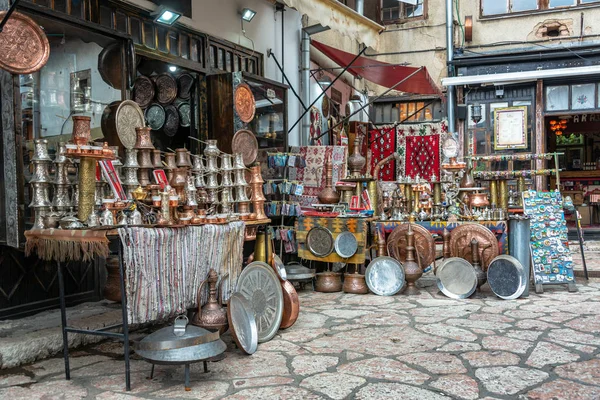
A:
(125, 320)
(304, 132)
(63, 320)
(270, 54)
(581, 240)
(450, 58)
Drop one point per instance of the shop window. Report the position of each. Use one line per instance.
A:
(397, 10)
(496, 7)
(184, 42)
(106, 17)
(121, 19)
(173, 44)
(149, 39)
(136, 30)
(572, 97)
(161, 37)
(411, 111)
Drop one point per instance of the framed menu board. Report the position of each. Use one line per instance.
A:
(510, 128)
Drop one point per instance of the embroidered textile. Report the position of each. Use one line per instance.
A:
(423, 156)
(383, 144)
(313, 174)
(403, 132)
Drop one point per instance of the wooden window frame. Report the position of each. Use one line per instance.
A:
(402, 18)
(542, 6)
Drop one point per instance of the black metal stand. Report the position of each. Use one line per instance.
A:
(581, 240)
(98, 332)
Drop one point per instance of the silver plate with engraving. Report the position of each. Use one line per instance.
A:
(319, 241)
(260, 285)
(456, 278)
(506, 277)
(346, 244)
(385, 276)
(242, 323)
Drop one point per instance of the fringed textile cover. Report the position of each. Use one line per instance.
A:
(66, 245)
(164, 267)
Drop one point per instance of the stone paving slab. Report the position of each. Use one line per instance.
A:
(366, 347)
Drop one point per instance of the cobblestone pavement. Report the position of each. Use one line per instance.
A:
(369, 347)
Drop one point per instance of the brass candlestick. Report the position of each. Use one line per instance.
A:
(503, 195)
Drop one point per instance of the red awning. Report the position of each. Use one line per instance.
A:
(381, 73)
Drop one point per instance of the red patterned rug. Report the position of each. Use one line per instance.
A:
(383, 144)
(423, 156)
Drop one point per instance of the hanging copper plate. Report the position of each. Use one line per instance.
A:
(166, 88)
(119, 120)
(171, 120)
(319, 241)
(185, 82)
(424, 245)
(245, 142)
(244, 102)
(143, 91)
(109, 65)
(460, 243)
(291, 305)
(325, 107)
(155, 116)
(23, 45)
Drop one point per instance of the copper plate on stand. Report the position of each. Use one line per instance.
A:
(23, 45)
(119, 120)
(245, 142)
(244, 103)
(291, 305)
(319, 241)
(242, 323)
(424, 245)
(143, 91)
(166, 89)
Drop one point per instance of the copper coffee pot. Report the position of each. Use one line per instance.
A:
(328, 195)
(182, 158)
(212, 316)
(143, 141)
(412, 271)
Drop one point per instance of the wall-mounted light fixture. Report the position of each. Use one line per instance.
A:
(248, 14)
(165, 16)
(476, 113)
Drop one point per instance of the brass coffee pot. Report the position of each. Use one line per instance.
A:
(212, 316)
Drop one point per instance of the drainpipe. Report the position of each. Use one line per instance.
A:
(450, 58)
(305, 75)
(360, 7)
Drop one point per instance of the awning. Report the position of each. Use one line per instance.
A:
(338, 17)
(518, 77)
(381, 73)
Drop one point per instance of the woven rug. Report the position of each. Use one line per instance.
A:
(403, 132)
(383, 144)
(313, 174)
(66, 245)
(164, 267)
(423, 157)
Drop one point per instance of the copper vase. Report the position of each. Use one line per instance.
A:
(355, 283)
(182, 158)
(212, 316)
(481, 275)
(412, 271)
(145, 159)
(170, 160)
(143, 140)
(81, 130)
(328, 195)
(156, 159)
(356, 161)
(328, 282)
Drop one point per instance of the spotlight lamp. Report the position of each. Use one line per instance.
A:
(248, 14)
(165, 16)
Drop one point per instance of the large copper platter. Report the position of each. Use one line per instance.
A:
(143, 91)
(245, 142)
(242, 323)
(460, 243)
(23, 45)
(291, 305)
(424, 245)
(166, 88)
(244, 103)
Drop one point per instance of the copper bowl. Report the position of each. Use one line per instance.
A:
(355, 283)
(478, 200)
(291, 305)
(328, 282)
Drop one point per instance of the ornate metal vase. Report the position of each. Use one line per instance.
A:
(328, 195)
(131, 159)
(142, 136)
(356, 161)
(61, 201)
(81, 130)
(40, 151)
(212, 316)
(145, 159)
(211, 149)
(197, 164)
(40, 195)
(412, 271)
(41, 172)
(130, 177)
(226, 164)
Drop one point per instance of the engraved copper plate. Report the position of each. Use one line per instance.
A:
(291, 305)
(171, 120)
(143, 91)
(424, 245)
(242, 323)
(184, 114)
(155, 116)
(259, 284)
(129, 116)
(244, 102)
(166, 88)
(325, 107)
(23, 45)
(460, 243)
(319, 241)
(185, 82)
(245, 142)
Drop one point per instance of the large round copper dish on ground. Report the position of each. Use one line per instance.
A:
(143, 91)
(244, 103)
(171, 125)
(242, 323)
(185, 82)
(245, 142)
(166, 88)
(424, 245)
(23, 45)
(119, 120)
(291, 305)
(456, 278)
(460, 243)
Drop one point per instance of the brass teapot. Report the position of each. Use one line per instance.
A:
(212, 316)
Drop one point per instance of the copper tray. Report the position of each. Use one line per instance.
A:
(23, 45)
(119, 120)
(171, 120)
(244, 102)
(109, 65)
(185, 82)
(166, 88)
(424, 245)
(460, 243)
(245, 142)
(319, 241)
(143, 91)
(291, 305)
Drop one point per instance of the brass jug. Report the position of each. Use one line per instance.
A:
(212, 316)
(412, 271)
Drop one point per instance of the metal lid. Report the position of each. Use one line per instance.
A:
(279, 267)
(456, 278)
(346, 244)
(242, 323)
(385, 276)
(259, 284)
(506, 277)
(319, 241)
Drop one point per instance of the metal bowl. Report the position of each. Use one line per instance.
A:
(242, 323)
(456, 278)
(385, 276)
(506, 277)
(346, 244)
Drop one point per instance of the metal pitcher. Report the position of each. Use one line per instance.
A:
(238, 162)
(130, 176)
(212, 316)
(211, 149)
(40, 150)
(40, 196)
(182, 158)
(226, 163)
(226, 181)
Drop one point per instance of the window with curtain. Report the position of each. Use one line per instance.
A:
(397, 10)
